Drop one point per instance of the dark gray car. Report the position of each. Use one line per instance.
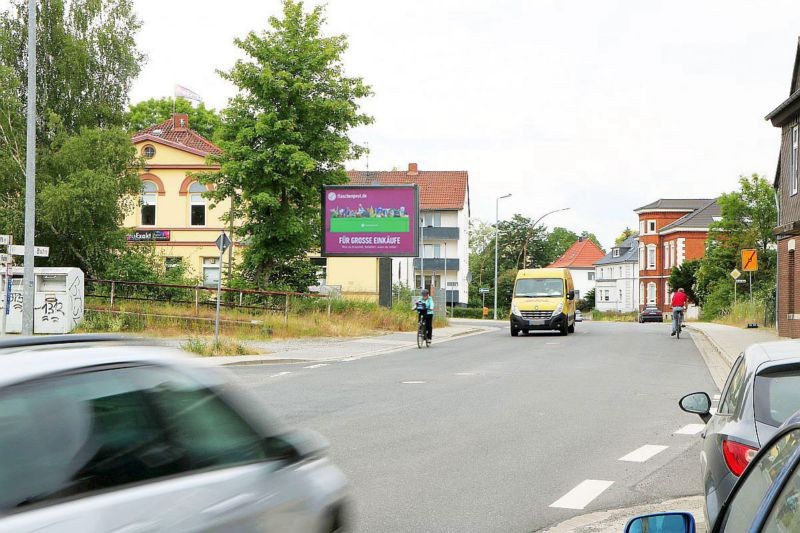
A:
(761, 392)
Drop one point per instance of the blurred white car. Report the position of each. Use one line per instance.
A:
(578, 316)
(101, 434)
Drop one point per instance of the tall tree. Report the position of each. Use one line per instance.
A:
(203, 120)
(285, 134)
(87, 61)
(558, 242)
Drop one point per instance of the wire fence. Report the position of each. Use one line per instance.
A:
(112, 292)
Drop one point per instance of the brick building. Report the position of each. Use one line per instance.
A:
(671, 231)
(787, 117)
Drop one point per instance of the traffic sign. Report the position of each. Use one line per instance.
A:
(223, 242)
(5, 240)
(749, 260)
(483, 290)
(735, 274)
(38, 251)
(741, 281)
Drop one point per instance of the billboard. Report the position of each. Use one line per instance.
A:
(370, 221)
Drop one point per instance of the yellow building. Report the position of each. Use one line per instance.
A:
(172, 211)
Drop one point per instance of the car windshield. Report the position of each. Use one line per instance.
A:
(777, 396)
(539, 288)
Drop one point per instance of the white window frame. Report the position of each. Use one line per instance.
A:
(673, 258)
(149, 196)
(641, 293)
(651, 227)
(666, 292)
(793, 161)
(615, 253)
(652, 290)
(641, 256)
(667, 263)
(651, 257)
(196, 198)
(641, 227)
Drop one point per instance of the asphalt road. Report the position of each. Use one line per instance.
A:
(487, 432)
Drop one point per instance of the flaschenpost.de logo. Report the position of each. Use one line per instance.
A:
(331, 196)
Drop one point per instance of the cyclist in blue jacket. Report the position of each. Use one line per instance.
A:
(426, 305)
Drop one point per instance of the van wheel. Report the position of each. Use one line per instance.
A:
(571, 329)
(564, 330)
(514, 331)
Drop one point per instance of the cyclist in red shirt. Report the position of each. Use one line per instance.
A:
(679, 300)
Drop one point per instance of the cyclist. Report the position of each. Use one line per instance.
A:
(679, 300)
(425, 305)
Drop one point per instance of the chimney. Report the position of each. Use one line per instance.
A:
(412, 169)
(181, 121)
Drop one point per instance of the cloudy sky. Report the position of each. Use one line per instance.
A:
(597, 105)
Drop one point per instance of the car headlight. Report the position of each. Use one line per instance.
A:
(515, 310)
(558, 309)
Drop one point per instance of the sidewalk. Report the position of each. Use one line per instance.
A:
(329, 349)
(730, 341)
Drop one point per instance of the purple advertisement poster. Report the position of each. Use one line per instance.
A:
(370, 221)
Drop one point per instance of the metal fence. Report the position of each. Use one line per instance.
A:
(201, 297)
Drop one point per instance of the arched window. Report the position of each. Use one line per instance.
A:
(641, 293)
(197, 205)
(641, 255)
(148, 201)
(651, 257)
(651, 293)
(667, 291)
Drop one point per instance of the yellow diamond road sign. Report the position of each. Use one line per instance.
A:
(735, 273)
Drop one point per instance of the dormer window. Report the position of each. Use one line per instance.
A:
(615, 252)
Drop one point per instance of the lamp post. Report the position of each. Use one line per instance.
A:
(496, 232)
(528, 238)
(30, 177)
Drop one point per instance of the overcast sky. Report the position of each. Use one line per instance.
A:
(597, 105)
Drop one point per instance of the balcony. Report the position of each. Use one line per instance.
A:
(437, 264)
(432, 233)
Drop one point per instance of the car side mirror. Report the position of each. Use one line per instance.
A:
(674, 522)
(297, 445)
(571, 295)
(697, 403)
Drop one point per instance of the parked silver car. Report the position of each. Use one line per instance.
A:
(761, 392)
(98, 434)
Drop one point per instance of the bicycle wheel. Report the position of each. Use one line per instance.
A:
(678, 331)
(420, 336)
(427, 342)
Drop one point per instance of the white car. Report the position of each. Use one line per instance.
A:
(578, 316)
(100, 434)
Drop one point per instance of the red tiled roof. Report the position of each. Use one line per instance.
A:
(582, 254)
(445, 189)
(181, 138)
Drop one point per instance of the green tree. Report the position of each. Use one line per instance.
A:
(285, 135)
(587, 303)
(625, 235)
(87, 61)
(684, 276)
(558, 241)
(203, 120)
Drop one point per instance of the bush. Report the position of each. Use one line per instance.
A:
(467, 312)
(614, 316)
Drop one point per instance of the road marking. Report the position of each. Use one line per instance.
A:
(690, 429)
(412, 382)
(582, 495)
(465, 373)
(552, 343)
(640, 455)
(316, 366)
(279, 374)
(716, 397)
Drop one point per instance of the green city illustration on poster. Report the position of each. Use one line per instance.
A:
(370, 225)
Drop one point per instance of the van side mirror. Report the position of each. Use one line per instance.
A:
(571, 295)
(674, 522)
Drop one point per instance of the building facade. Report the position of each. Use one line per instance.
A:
(787, 117)
(172, 212)
(617, 278)
(672, 231)
(579, 259)
(444, 239)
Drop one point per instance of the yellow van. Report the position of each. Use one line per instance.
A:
(544, 298)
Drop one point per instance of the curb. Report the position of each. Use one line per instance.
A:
(382, 351)
(721, 351)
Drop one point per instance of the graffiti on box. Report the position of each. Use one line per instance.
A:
(52, 309)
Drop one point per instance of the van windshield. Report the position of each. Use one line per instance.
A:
(539, 288)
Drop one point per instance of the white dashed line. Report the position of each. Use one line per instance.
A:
(412, 382)
(644, 453)
(690, 429)
(316, 366)
(279, 374)
(716, 397)
(552, 343)
(582, 495)
(465, 373)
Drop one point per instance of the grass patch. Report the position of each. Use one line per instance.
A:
(207, 347)
(308, 319)
(744, 312)
(614, 316)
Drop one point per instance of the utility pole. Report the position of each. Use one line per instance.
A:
(496, 232)
(30, 177)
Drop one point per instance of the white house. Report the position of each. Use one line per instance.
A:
(617, 278)
(579, 259)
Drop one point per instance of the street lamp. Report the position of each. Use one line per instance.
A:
(528, 238)
(496, 232)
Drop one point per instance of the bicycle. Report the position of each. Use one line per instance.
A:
(679, 325)
(422, 330)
